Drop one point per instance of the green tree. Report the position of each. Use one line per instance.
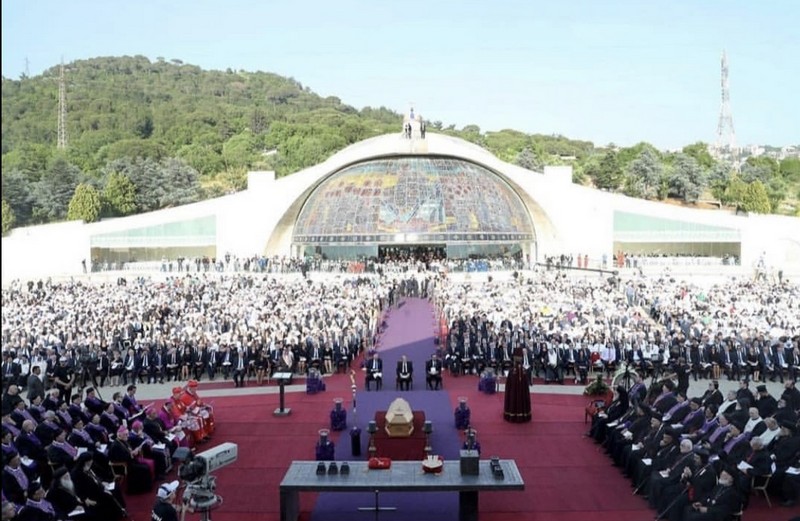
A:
(756, 199)
(144, 127)
(507, 144)
(119, 195)
(472, 133)
(8, 217)
(735, 191)
(132, 148)
(756, 171)
(85, 204)
(608, 175)
(627, 155)
(790, 169)
(766, 163)
(776, 191)
(53, 192)
(239, 150)
(17, 188)
(699, 151)
(718, 179)
(145, 174)
(529, 160)
(227, 182)
(183, 183)
(687, 179)
(644, 175)
(203, 158)
(29, 158)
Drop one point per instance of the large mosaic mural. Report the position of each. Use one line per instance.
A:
(419, 199)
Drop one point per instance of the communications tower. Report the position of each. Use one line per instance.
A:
(726, 135)
(62, 108)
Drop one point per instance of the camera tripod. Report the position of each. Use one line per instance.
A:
(201, 498)
(626, 376)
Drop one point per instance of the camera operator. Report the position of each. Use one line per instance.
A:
(84, 370)
(164, 510)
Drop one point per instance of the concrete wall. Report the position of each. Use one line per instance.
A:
(42, 251)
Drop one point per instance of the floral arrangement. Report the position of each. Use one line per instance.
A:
(597, 388)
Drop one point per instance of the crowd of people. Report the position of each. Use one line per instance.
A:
(699, 457)
(563, 326)
(187, 327)
(64, 343)
(61, 341)
(69, 456)
(670, 331)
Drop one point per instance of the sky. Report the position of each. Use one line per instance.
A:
(615, 71)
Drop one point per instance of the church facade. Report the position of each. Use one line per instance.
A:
(400, 191)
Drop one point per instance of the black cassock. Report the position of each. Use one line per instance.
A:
(517, 408)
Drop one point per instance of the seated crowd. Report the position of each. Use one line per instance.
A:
(700, 457)
(71, 458)
(235, 327)
(59, 338)
(738, 330)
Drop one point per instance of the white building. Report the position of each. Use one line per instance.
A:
(391, 191)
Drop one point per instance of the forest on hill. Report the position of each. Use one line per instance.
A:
(144, 135)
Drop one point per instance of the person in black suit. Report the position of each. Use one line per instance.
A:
(405, 373)
(129, 402)
(11, 370)
(156, 369)
(374, 372)
(713, 394)
(757, 465)
(35, 385)
(10, 399)
(433, 372)
(211, 361)
(239, 364)
(155, 428)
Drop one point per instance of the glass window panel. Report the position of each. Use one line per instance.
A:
(413, 199)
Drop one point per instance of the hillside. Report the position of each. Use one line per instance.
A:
(136, 127)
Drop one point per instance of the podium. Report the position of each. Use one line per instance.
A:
(282, 379)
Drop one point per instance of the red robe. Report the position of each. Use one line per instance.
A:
(203, 413)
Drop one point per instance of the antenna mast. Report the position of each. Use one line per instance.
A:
(726, 135)
(62, 108)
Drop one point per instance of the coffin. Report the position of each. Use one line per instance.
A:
(399, 419)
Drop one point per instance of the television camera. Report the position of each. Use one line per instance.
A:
(200, 493)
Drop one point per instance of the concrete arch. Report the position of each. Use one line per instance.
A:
(390, 146)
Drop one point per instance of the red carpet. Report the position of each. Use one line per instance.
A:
(566, 477)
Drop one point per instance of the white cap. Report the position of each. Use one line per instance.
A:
(166, 490)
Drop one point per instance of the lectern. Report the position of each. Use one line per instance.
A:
(282, 379)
